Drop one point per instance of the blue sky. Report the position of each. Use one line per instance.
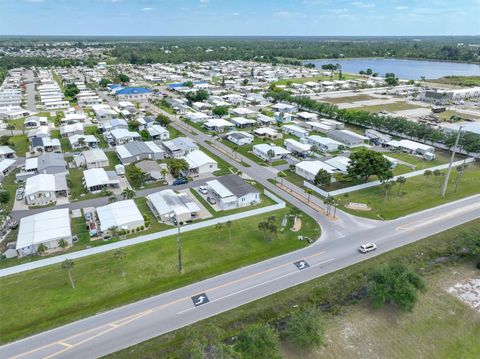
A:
(239, 17)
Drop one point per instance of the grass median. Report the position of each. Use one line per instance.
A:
(41, 299)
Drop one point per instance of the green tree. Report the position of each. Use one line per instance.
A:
(400, 181)
(263, 227)
(42, 248)
(281, 175)
(220, 111)
(460, 171)
(67, 265)
(176, 166)
(387, 186)
(258, 341)
(427, 174)
(219, 227)
(4, 196)
(309, 192)
(306, 328)
(229, 226)
(197, 96)
(123, 78)
(395, 284)
(366, 163)
(164, 120)
(104, 82)
(10, 127)
(136, 176)
(62, 243)
(71, 90)
(128, 193)
(322, 178)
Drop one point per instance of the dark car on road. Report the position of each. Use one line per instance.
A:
(180, 181)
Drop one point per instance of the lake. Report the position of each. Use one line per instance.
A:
(403, 69)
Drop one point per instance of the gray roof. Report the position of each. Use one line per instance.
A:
(48, 160)
(137, 148)
(236, 185)
(183, 143)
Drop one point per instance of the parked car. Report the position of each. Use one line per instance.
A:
(211, 200)
(180, 181)
(367, 247)
(203, 190)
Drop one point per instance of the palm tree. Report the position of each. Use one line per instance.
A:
(62, 243)
(309, 192)
(401, 181)
(219, 228)
(427, 174)
(281, 175)
(460, 171)
(128, 193)
(328, 201)
(262, 227)
(229, 226)
(10, 127)
(334, 204)
(272, 229)
(41, 248)
(270, 154)
(437, 173)
(68, 265)
(387, 186)
(114, 231)
(112, 199)
(164, 172)
(81, 142)
(120, 255)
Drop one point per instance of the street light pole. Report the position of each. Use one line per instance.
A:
(179, 245)
(445, 182)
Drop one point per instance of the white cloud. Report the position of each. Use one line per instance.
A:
(34, 1)
(337, 11)
(363, 5)
(204, 1)
(401, 7)
(148, 9)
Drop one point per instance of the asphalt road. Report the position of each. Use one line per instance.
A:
(128, 325)
(31, 106)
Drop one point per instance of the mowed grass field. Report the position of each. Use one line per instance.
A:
(440, 326)
(417, 194)
(40, 299)
(354, 98)
(389, 107)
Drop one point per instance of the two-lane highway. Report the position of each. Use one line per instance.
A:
(128, 325)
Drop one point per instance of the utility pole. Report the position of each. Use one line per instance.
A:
(179, 244)
(445, 183)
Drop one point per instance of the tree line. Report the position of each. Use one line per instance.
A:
(395, 125)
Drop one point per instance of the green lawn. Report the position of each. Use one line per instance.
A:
(174, 133)
(441, 158)
(389, 107)
(112, 160)
(417, 194)
(458, 80)
(18, 123)
(354, 98)
(77, 191)
(8, 183)
(42, 298)
(301, 80)
(20, 144)
(445, 116)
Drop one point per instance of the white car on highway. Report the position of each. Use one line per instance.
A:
(367, 247)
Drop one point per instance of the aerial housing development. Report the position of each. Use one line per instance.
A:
(151, 186)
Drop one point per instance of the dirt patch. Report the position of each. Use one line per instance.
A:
(358, 206)
(297, 224)
(468, 292)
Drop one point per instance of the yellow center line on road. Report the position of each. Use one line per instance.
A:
(123, 321)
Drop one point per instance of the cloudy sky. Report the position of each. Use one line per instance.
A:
(239, 17)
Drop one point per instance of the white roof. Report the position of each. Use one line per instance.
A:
(156, 130)
(197, 159)
(44, 227)
(242, 111)
(196, 116)
(265, 147)
(218, 122)
(321, 125)
(168, 202)
(242, 121)
(315, 166)
(298, 145)
(122, 132)
(118, 214)
(219, 188)
(266, 131)
(5, 150)
(339, 162)
(6, 163)
(97, 177)
(295, 128)
(95, 155)
(307, 115)
(411, 145)
(40, 183)
(31, 163)
(323, 140)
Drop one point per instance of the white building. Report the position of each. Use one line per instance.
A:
(217, 125)
(341, 163)
(324, 144)
(267, 132)
(200, 163)
(158, 132)
(94, 158)
(240, 138)
(96, 179)
(269, 152)
(297, 148)
(169, 205)
(309, 169)
(47, 228)
(295, 130)
(123, 215)
(43, 189)
(232, 192)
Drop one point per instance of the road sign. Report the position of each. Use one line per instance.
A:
(301, 264)
(200, 299)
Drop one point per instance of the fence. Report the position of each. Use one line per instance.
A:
(145, 238)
